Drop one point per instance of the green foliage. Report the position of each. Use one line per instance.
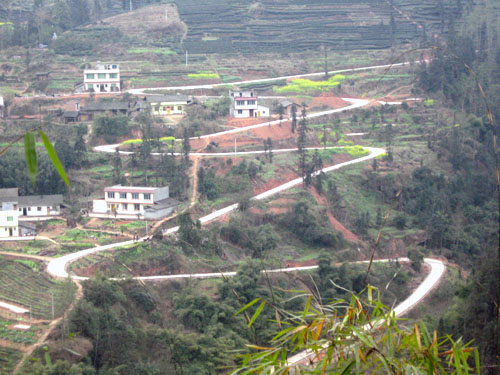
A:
(345, 327)
(203, 75)
(102, 293)
(189, 231)
(260, 239)
(110, 128)
(305, 225)
(306, 86)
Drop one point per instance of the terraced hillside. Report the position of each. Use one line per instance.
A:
(222, 26)
(22, 285)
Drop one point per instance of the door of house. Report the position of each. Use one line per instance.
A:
(102, 88)
(251, 112)
(25, 211)
(10, 232)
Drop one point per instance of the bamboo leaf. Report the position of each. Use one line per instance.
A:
(256, 314)
(417, 332)
(30, 154)
(53, 157)
(308, 304)
(476, 361)
(257, 347)
(247, 306)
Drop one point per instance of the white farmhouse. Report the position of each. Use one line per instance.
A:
(134, 202)
(33, 207)
(246, 104)
(103, 78)
(9, 220)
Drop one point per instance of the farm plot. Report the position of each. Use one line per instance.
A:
(20, 284)
(8, 360)
(215, 26)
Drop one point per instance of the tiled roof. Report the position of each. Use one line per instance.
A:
(71, 114)
(167, 98)
(34, 200)
(9, 192)
(106, 106)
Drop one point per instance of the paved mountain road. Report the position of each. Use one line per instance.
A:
(262, 80)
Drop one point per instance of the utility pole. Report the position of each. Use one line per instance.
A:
(52, 297)
(186, 58)
(235, 145)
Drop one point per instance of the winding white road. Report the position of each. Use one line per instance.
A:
(57, 267)
(356, 103)
(262, 80)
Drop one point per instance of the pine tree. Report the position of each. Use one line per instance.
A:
(117, 167)
(294, 118)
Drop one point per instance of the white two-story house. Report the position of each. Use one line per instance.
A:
(246, 104)
(103, 78)
(134, 202)
(9, 220)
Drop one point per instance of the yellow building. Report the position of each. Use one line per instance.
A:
(166, 105)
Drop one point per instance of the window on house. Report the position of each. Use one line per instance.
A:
(111, 194)
(101, 75)
(113, 75)
(240, 102)
(137, 207)
(147, 197)
(135, 195)
(29, 208)
(10, 218)
(251, 102)
(39, 208)
(125, 206)
(241, 94)
(90, 76)
(179, 108)
(90, 87)
(123, 195)
(240, 111)
(156, 108)
(115, 66)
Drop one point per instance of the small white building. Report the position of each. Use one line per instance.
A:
(2, 107)
(246, 104)
(134, 202)
(9, 220)
(166, 105)
(103, 78)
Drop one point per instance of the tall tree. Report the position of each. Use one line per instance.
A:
(294, 118)
(117, 168)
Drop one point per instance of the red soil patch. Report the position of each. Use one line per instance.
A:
(287, 175)
(242, 122)
(330, 101)
(339, 227)
(303, 263)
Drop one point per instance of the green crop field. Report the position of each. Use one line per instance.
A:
(8, 359)
(21, 285)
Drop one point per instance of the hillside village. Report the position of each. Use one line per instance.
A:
(180, 182)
